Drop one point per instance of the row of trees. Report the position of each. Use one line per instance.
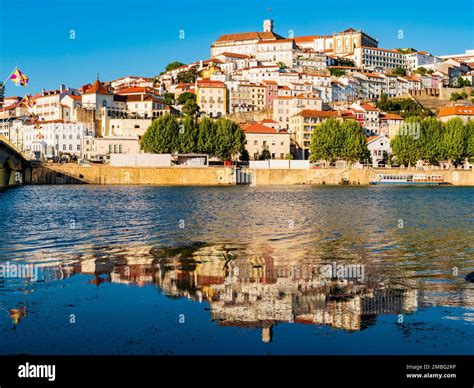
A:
(333, 140)
(426, 139)
(221, 138)
(433, 141)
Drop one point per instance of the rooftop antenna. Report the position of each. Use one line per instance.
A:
(97, 76)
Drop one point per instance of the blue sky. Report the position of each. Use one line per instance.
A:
(124, 37)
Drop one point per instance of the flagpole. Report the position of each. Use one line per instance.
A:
(4, 82)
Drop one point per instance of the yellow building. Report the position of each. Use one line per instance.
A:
(211, 97)
(302, 127)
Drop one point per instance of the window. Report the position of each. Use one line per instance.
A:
(255, 142)
(64, 147)
(78, 147)
(70, 147)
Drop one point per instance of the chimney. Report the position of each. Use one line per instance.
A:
(62, 88)
(43, 91)
(268, 25)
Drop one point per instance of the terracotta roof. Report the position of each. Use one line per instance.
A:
(371, 139)
(99, 88)
(268, 121)
(270, 82)
(146, 97)
(207, 83)
(456, 110)
(249, 36)
(235, 55)
(259, 128)
(323, 114)
(74, 97)
(368, 107)
(137, 90)
(303, 39)
(390, 116)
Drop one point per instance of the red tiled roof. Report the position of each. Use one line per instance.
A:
(390, 116)
(259, 128)
(371, 139)
(249, 36)
(99, 88)
(235, 55)
(368, 107)
(207, 83)
(302, 39)
(326, 114)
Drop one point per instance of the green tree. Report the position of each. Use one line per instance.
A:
(345, 62)
(455, 140)
(188, 136)
(229, 139)
(244, 155)
(288, 156)
(400, 71)
(183, 97)
(470, 140)
(173, 65)
(405, 147)
(326, 141)
(354, 146)
(169, 98)
(421, 70)
(207, 136)
(431, 140)
(161, 136)
(188, 76)
(265, 154)
(190, 108)
(336, 72)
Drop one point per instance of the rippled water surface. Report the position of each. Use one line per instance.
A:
(236, 270)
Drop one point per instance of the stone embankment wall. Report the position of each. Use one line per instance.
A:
(107, 175)
(220, 176)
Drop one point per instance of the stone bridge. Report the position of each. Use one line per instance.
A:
(14, 167)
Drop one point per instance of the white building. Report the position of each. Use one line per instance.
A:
(276, 51)
(417, 59)
(379, 148)
(56, 139)
(378, 58)
(244, 43)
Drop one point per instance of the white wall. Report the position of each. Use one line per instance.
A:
(140, 160)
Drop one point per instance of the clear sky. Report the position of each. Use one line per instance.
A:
(116, 38)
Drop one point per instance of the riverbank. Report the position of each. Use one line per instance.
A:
(51, 173)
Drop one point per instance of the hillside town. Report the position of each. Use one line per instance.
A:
(277, 89)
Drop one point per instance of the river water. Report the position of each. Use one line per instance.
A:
(236, 270)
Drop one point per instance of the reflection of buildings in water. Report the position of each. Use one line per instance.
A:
(262, 291)
(245, 290)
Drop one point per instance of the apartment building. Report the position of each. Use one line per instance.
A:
(302, 127)
(211, 97)
(286, 107)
